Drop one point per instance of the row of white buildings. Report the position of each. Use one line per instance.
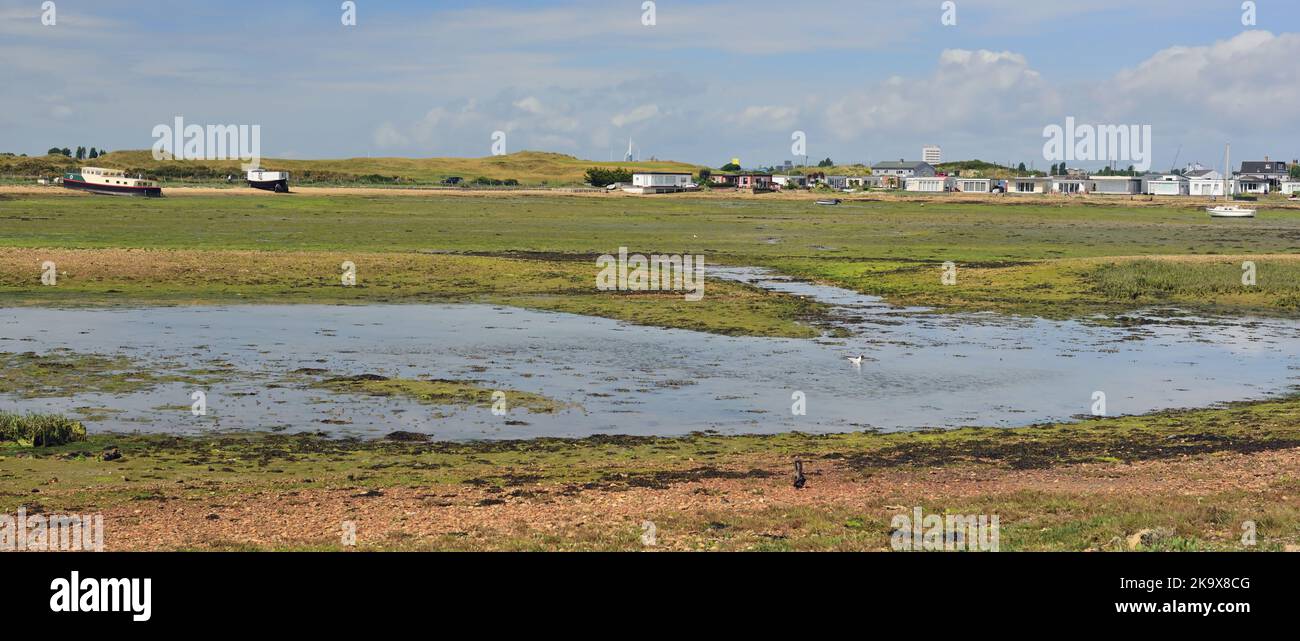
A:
(1211, 183)
(1254, 178)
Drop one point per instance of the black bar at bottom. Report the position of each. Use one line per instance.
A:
(243, 588)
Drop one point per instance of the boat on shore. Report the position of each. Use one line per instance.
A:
(276, 181)
(829, 201)
(111, 182)
(1229, 211)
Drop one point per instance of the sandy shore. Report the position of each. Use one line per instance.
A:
(688, 515)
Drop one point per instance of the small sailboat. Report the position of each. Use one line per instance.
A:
(1229, 211)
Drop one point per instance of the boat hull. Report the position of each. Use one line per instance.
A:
(112, 190)
(1230, 213)
(278, 186)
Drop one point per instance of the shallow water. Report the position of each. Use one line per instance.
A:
(925, 370)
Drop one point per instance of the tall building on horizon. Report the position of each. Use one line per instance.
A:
(931, 154)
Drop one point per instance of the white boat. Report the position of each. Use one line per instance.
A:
(829, 201)
(1229, 211)
(113, 182)
(276, 181)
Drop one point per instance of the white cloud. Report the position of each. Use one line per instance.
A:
(968, 89)
(387, 137)
(639, 114)
(1245, 77)
(530, 104)
(765, 117)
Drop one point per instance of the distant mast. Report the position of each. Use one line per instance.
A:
(1227, 168)
(628, 158)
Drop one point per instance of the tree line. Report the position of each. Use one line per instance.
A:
(80, 154)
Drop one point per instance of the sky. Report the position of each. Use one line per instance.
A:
(863, 80)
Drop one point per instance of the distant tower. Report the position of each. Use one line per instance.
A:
(628, 158)
(931, 154)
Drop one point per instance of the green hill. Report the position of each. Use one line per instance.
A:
(526, 167)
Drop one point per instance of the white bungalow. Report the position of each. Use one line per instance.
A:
(865, 182)
(1116, 185)
(1205, 183)
(1168, 185)
(1252, 184)
(1291, 186)
(1071, 185)
(929, 184)
(1028, 185)
(796, 181)
(654, 182)
(974, 185)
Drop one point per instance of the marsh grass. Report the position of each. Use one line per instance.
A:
(1166, 280)
(62, 372)
(1021, 256)
(136, 277)
(440, 392)
(40, 430)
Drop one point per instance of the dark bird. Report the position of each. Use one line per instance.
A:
(799, 480)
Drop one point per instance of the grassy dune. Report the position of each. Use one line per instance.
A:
(527, 167)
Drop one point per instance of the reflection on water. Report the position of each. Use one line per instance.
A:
(922, 370)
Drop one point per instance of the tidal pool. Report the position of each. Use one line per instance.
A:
(921, 370)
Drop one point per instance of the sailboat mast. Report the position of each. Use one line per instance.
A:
(1227, 167)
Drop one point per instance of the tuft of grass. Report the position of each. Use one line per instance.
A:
(40, 430)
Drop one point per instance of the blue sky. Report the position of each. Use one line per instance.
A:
(866, 80)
